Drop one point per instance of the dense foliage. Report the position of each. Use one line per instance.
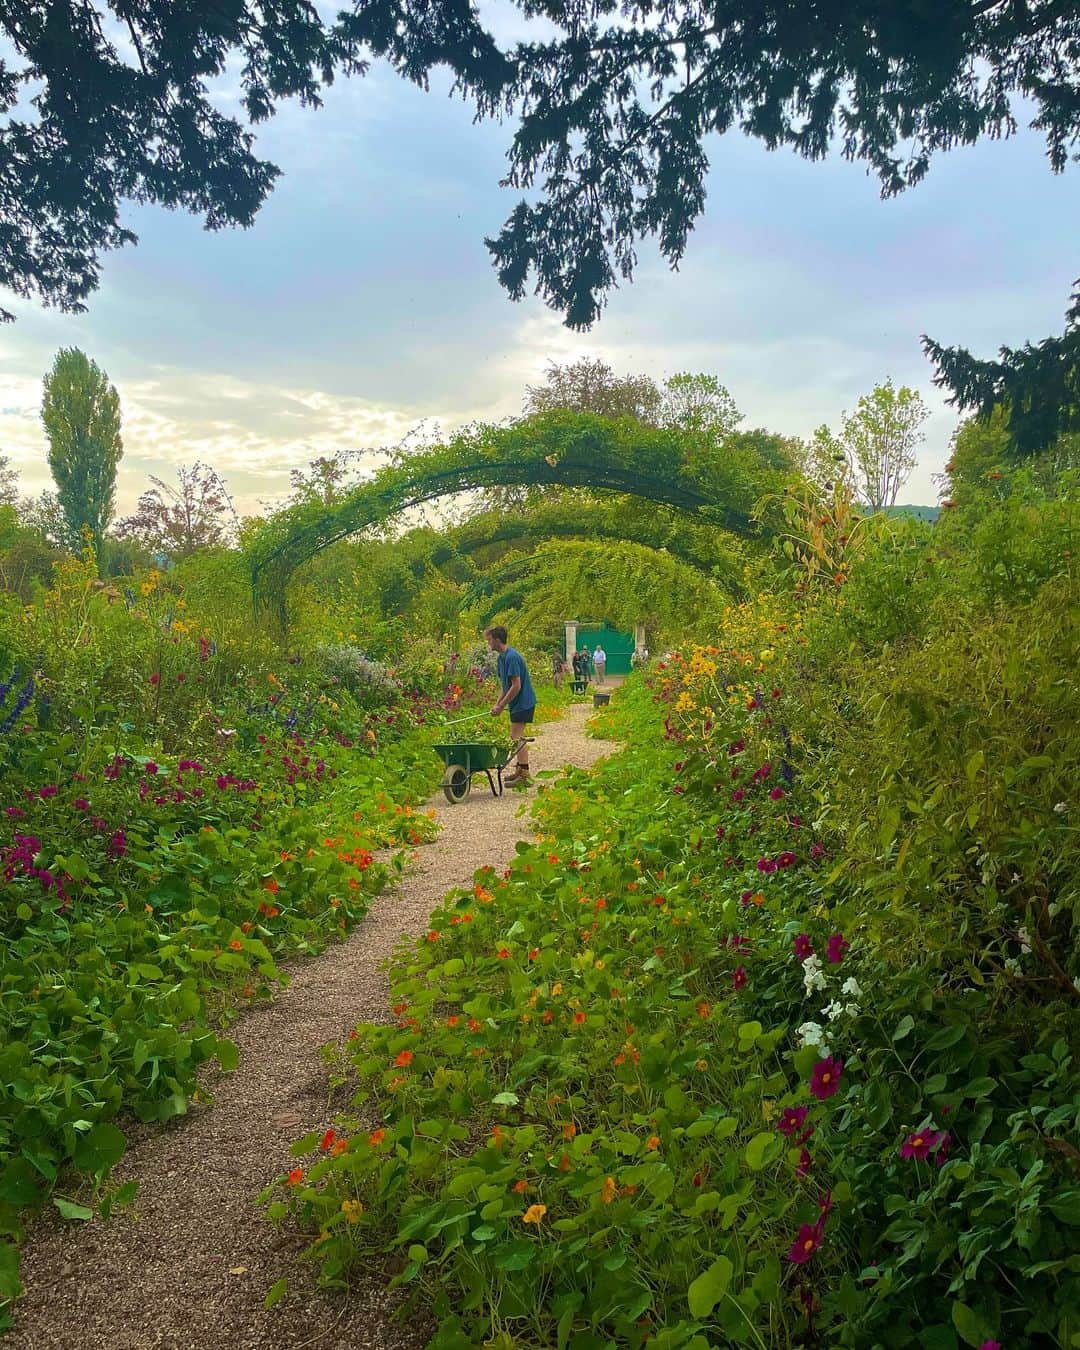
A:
(182, 806)
(770, 1037)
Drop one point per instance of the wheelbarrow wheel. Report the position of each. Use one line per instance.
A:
(456, 784)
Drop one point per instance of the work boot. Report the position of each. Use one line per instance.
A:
(520, 774)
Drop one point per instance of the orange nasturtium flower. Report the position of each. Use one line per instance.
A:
(404, 1059)
(271, 885)
(653, 1141)
(569, 1130)
(295, 1177)
(579, 1018)
(236, 945)
(327, 1139)
(504, 953)
(607, 1191)
(520, 1187)
(376, 1137)
(703, 1009)
(352, 1209)
(340, 1146)
(534, 1214)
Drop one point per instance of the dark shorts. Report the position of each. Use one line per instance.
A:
(523, 715)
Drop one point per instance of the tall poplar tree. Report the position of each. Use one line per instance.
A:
(81, 412)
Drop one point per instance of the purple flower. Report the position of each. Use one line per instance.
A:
(785, 859)
(990, 1345)
(766, 865)
(837, 946)
(805, 1163)
(825, 1080)
(81, 804)
(15, 812)
(806, 1244)
(738, 979)
(150, 767)
(49, 791)
(817, 851)
(117, 845)
(777, 794)
(802, 947)
(920, 1144)
(792, 1119)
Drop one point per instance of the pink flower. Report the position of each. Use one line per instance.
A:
(825, 1080)
(738, 979)
(920, 1144)
(803, 947)
(15, 812)
(836, 948)
(806, 1244)
(990, 1345)
(777, 794)
(792, 1119)
(150, 767)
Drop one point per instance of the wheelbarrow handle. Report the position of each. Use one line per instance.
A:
(471, 718)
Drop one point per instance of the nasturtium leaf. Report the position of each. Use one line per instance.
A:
(710, 1287)
(276, 1292)
(70, 1210)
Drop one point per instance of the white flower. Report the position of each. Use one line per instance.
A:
(1053, 909)
(1016, 876)
(851, 986)
(1076, 984)
(1061, 807)
(1024, 938)
(833, 1011)
(812, 976)
(1012, 966)
(811, 1033)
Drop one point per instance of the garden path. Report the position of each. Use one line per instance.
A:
(189, 1268)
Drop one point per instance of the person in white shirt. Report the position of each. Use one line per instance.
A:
(599, 660)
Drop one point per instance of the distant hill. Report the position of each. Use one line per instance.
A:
(930, 513)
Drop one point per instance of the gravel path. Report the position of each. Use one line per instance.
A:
(189, 1269)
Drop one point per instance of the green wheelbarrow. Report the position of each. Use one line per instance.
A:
(465, 758)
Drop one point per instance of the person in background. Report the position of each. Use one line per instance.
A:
(599, 660)
(517, 695)
(558, 669)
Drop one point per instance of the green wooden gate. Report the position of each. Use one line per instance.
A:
(619, 646)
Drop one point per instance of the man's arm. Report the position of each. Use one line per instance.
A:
(511, 693)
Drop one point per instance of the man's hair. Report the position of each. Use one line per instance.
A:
(498, 633)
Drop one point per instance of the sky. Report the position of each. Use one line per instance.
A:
(362, 305)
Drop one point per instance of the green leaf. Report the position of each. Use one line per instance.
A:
(10, 1284)
(904, 1027)
(762, 1149)
(275, 1292)
(969, 1324)
(506, 1099)
(709, 1288)
(70, 1210)
(974, 765)
(228, 1055)
(100, 1149)
(979, 1087)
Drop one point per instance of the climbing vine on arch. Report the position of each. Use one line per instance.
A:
(688, 474)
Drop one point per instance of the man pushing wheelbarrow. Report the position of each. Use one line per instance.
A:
(518, 696)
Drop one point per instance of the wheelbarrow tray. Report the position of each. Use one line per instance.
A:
(465, 758)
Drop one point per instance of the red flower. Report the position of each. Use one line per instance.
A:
(806, 1244)
(296, 1176)
(433, 935)
(327, 1139)
(825, 1080)
(803, 947)
(504, 953)
(155, 678)
(792, 1119)
(534, 953)
(920, 1144)
(836, 948)
(738, 979)
(404, 1059)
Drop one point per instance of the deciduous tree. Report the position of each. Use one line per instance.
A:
(81, 413)
(178, 521)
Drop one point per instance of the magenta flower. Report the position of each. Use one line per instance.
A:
(825, 1208)
(736, 747)
(117, 845)
(778, 794)
(786, 859)
(836, 948)
(802, 947)
(155, 678)
(990, 1345)
(81, 804)
(746, 897)
(942, 1154)
(766, 865)
(150, 767)
(15, 812)
(738, 794)
(46, 792)
(738, 979)
(919, 1144)
(806, 1244)
(805, 1163)
(792, 1119)
(817, 851)
(825, 1080)
(761, 774)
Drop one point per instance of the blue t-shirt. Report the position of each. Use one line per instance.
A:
(511, 663)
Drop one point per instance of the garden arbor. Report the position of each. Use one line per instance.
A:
(690, 475)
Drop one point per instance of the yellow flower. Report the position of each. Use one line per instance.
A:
(701, 1065)
(352, 1209)
(534, 1214)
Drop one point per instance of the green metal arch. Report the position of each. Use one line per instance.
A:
(557, 449)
